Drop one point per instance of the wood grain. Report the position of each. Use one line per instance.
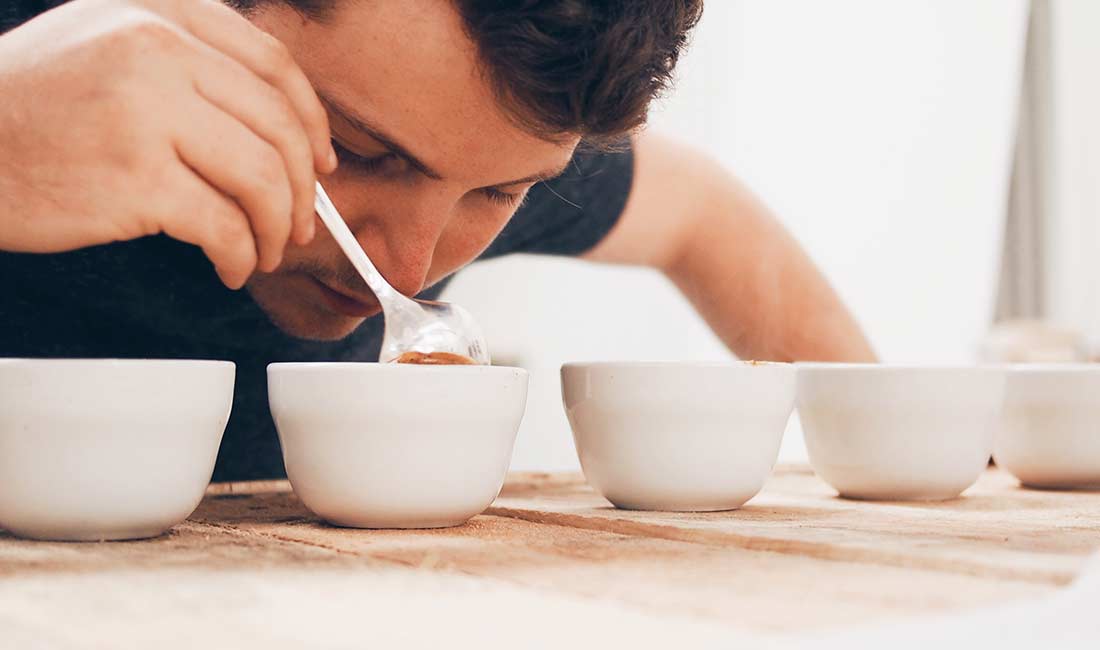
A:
(996, 530)
(795, 559)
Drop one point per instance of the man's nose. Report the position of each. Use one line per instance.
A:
(401, 239)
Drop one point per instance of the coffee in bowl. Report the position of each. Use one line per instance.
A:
(435, 359)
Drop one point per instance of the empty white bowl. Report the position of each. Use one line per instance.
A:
(1050, 427)
(107, 449)
(370, 445)
(899, 432)
(677, 436)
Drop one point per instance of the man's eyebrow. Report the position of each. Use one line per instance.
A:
(361, 124)
(545, 175)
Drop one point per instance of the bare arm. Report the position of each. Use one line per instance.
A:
(744, 273)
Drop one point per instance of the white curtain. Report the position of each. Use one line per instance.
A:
(1072, 236)
(1024, 268)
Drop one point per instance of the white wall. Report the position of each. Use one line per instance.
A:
(880, 131)
(1073, 245)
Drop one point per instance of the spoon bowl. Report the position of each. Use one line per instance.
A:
(411, 325)
(445, 327)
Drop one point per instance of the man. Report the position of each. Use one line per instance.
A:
(138, 136)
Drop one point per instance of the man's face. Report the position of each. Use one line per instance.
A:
(431, 166)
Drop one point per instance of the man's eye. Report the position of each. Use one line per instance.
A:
(361, 164)
(504, 198)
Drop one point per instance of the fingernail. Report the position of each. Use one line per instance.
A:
(333, 161)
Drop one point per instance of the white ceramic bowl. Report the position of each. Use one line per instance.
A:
(1050, 427)
(371, 445)
(896, 432)
(107, 449)
(677, 436)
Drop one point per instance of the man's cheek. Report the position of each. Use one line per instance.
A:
(459, 248)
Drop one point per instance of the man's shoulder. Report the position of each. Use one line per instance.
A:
(570, 214)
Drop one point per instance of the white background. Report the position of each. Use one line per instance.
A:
(879, 131)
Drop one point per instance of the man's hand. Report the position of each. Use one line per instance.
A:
(126, 118)
(744, 273)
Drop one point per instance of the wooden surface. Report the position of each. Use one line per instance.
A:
(795, 559)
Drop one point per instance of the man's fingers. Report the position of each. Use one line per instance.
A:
(241, 165)
(198, 214)
(266, 112)
(227, 31)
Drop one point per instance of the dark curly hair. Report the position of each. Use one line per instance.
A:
(585, 67)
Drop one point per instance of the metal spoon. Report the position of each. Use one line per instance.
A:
(411, 325)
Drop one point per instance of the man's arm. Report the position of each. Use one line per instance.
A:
(744, 273)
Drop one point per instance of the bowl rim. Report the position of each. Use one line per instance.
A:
(986, 368)
(734, 363)
(1052, 368)
(389, 368)
(119, 362)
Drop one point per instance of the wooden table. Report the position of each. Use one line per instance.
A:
(795, 559)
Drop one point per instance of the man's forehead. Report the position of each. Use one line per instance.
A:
(415, 76)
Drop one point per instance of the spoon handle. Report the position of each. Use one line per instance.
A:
(347, 242)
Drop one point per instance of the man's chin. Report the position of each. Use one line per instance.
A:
(298, 317)
(321, 327)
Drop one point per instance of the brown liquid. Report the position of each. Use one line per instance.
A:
(435, 359)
